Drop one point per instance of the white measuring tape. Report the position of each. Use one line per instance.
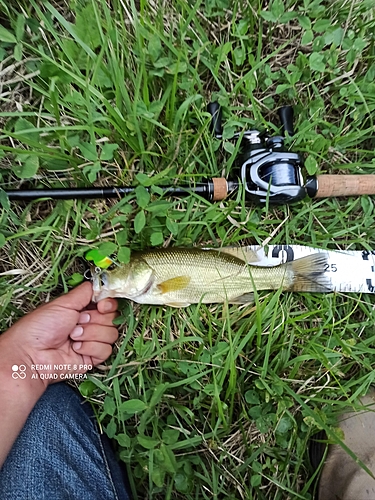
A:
(349, 270)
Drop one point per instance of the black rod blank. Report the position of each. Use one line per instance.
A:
(205, 190)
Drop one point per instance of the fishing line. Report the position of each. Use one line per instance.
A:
(280, 174)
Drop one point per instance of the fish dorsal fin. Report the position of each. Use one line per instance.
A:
(173, 284)
(242, 253)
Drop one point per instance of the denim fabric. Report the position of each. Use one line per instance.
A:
(60, 455)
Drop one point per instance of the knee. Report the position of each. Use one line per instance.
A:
(62, 405)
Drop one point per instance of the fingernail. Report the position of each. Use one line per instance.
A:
(77, 332)
(107, 306)
(84, 318)
(77, 346)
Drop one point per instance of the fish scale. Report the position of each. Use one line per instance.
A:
(180, 276)
(224, 276)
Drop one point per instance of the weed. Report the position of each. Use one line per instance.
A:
(209, 401)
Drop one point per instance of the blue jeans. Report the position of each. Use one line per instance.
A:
(60, 454)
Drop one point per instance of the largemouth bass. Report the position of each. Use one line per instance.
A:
(179, 277)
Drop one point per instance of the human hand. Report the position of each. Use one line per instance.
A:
(63, 334)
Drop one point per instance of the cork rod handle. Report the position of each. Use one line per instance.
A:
(344, 185)
(220, 185)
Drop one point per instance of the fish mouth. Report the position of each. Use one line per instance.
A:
(99, 285)
(101, 290)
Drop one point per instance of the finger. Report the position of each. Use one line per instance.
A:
(96, 361)
(107, 305)
(78, 298)
(106, 334)
(96, 318)
(98, 350)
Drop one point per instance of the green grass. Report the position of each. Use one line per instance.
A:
(222, 400)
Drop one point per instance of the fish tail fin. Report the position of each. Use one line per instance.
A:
(309, 274)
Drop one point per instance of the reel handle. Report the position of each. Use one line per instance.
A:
(344, 185)
(286, 118)
(215, 111)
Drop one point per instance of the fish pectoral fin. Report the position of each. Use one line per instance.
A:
(178, 304)
(174, 284)
(246, 298)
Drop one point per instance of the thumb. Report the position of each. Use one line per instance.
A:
(76, 299)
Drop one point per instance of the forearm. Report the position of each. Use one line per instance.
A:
(18, 395)
(62, 334)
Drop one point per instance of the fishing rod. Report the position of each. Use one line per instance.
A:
(265, 169)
